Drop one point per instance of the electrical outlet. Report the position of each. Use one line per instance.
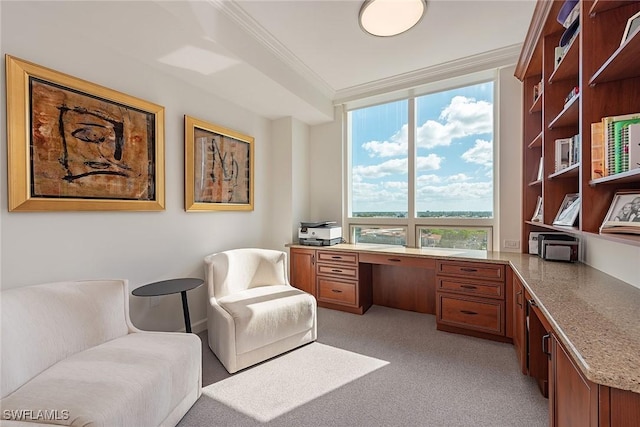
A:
(512, 244)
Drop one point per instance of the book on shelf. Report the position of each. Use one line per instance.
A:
(540, 170)
(598, 169)
(574, 149)
(537, 90)
(562, 153)
(631, 147)
(616, 141)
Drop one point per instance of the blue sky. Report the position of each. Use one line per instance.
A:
(455, 152)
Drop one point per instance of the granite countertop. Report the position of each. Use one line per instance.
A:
(595, 315)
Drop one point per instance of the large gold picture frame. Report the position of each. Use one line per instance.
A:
(77, 146)
(218, 168)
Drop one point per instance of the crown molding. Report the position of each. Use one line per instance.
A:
(470, 64)
(235, 12)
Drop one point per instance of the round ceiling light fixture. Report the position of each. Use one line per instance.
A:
(385, 18)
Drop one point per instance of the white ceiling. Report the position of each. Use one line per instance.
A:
(297, 57)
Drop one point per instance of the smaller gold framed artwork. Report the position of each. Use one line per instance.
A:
(76, 146)
(219, 168)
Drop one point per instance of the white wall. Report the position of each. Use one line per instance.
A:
(325, 170)
(139, 246)
(289, 192)
(508, 165)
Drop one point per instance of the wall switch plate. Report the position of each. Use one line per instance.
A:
(512, 244)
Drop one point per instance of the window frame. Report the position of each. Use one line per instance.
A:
(412, 222)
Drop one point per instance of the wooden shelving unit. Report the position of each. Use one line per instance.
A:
(607, 74)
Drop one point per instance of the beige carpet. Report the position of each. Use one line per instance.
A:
(386, 368)
(272, 389)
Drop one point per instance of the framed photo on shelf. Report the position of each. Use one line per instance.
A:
(218, 168)
(624, 213)
(632, 26)
(537, 214)
(77, 146)
(569, 210)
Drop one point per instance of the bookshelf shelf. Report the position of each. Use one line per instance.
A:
(537, 141)
(537, 105)
(632, 176)
(622, 64)
(567, 68)
(608, 77)
(569, 115)
(604, 5)
(570, 172)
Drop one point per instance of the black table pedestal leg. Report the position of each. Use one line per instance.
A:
(185, 310)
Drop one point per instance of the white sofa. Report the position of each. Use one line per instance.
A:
(71, 356)
(253, 312)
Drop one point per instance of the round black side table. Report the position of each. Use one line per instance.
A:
(172, 286)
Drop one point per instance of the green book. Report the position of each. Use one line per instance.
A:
(614, 139)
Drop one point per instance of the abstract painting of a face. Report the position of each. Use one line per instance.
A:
(87, 147)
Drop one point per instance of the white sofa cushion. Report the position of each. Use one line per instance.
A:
(43, 324)
(263, 315)
(241, 269)
(135, 380)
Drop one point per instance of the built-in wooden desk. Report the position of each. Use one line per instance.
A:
(587, 321)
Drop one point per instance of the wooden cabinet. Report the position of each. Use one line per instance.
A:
(337, 277)
(537, 334)
(470, 298)
(607, 76)
(519, 309)
(573, 399)
(333, 277)
(302, 269)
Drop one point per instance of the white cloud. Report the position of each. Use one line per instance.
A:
(379, 196)
(428, 179)
(459, 177)
(396, 146)
(390, 167)
(455, 191)
(469, 115)
(481, 153)
(395, 167)
(430, 162)
(462, 117)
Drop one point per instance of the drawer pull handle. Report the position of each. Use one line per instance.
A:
(394, 259)
(336, 257)
(468, 286)
(468, 270)
(337, 291)
(472, 313)
(545, 346)
(335, 270)
(518, 297)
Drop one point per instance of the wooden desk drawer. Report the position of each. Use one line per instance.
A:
(470, 287)
(471, 269)
(338, 270)
(405, 261)
(337, 257)
(471, 313)
(336, 291)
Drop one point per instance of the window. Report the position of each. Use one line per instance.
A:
(424, 163)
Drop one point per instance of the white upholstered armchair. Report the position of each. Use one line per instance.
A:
(253, 312)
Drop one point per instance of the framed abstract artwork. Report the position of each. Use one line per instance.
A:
(218, 168)
(77, 146)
